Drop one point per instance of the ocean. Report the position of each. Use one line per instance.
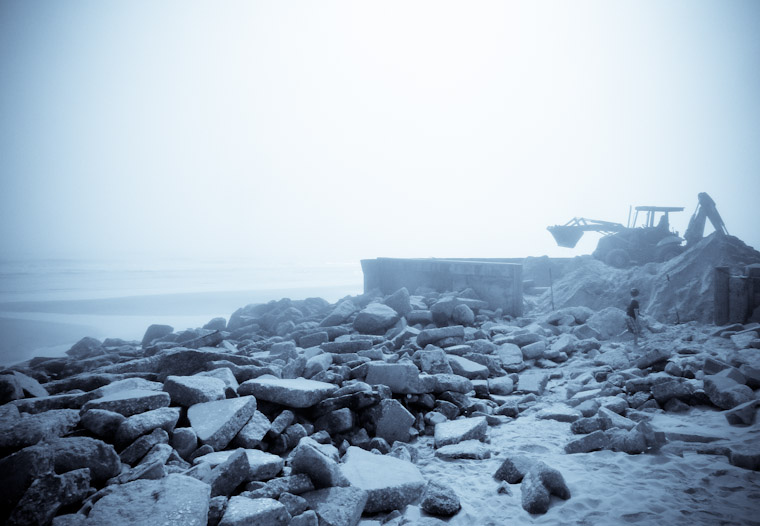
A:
(47, 305)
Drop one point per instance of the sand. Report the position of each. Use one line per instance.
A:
(607, 487)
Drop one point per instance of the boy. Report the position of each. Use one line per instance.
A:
(632, 319)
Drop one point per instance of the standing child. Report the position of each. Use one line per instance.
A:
(632, 319)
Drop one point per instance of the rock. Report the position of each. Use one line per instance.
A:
(675, 388)
(140, 447)
(102, 423)
(439, 499)
(725, 392)
(308, 518)
(432, 361)
(314, 339)
(261, 465)
(399, 301)
(48, 494)
(592, 442)
(463, 315)
(392, 421)
(560, 413)
(242, 511)
(29, 386)
(229, 474)
(564, 344)
(337, 506)
(653, 357)
(339, 314)
(390, 483)
(317, 364)
(319, 462)
(511, 357)
(534, 351)
(18, 471)
(133, 427)
(10, 388)
(609, 322)
(184, 441)
(501, 385)
(27, 430)
(155, 332)
(610, 419)
(296, 392)
(468, 449)
(745, 458)
(539, 484)
(130, 402)
(743, 414)
(467, 368)
(72, 453)
(190, 390)
(253, 432)
(375, 318)
(401, 377)
(532, 382)
(632, 442)
(86, 348)
(176, 500)
(456, 431)
(584, 332)
(514, 469)
(216, 423)
(453, 383)
(294, 504)
(433, 336)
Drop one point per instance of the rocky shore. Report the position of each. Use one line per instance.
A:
(402, 409)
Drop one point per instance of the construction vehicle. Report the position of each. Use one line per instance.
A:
(623, 245)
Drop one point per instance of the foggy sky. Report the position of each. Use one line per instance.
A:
(333, 131)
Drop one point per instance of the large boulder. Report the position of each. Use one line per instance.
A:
(339, 314)
(467, 368)
(190, 390)
(337, 506)
(392, 421)
(175, 500)
(375, 318)
(216, 423)
(48, 494)
(26, 430)
(260, 465)
(439, 499)
(87, 347)
(725, 392)
(130, 402)
(290, 392)
(242, 511)
(401, 377)
(390, 483)
(137, 425)
(399, 301)
(319, 462)
(155, 332)
(539, 484)
(609, 322)
(456, 431)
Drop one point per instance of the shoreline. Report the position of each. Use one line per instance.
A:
(44, 328)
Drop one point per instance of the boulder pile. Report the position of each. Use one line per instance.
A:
(303, 413)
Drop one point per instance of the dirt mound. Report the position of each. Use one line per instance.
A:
(678, 289)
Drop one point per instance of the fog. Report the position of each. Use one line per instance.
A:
(315, 132)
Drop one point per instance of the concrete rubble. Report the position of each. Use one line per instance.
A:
(302, 412)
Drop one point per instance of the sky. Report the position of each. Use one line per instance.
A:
(310, 132)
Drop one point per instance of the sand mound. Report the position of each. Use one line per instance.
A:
(678, 289)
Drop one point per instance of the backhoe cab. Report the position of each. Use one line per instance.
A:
(639, 243)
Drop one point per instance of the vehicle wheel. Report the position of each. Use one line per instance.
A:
(617, 258)
(669, 252)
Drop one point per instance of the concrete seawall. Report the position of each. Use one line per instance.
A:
(496, 282)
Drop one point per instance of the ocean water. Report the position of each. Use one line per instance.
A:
(47, 305)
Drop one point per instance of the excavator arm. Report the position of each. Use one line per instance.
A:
(705, 210)
(570, 233)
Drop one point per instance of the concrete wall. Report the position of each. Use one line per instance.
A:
(500, 284)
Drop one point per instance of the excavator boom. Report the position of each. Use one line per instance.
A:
(570, 233)
(705, 210)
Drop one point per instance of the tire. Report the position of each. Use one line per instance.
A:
(617, 258)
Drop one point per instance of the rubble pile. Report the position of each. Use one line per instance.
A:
(679, 289)
(304, 413)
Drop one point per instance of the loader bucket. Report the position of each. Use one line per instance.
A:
(566, 236)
